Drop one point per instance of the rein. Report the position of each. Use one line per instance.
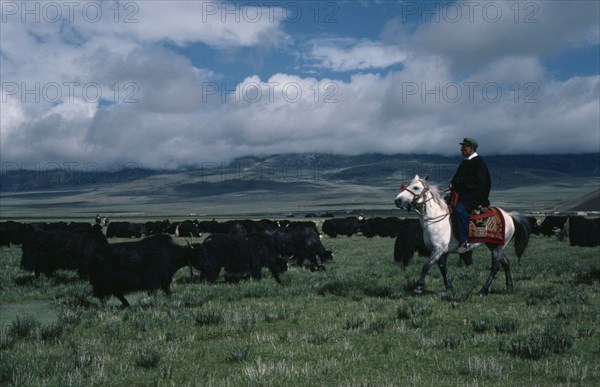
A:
(420, 207)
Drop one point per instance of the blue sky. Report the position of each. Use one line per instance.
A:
(165, 84)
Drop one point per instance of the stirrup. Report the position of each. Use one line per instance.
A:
(465, 247)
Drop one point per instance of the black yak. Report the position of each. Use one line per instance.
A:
(48, 251)
(15, 233)
(187, 228)
(149, 264)
(241, 256)
(584, 232)
(299, 241)
(409, 239)
(551, 223)
(341, 226)
(383, 227)
(125, 230)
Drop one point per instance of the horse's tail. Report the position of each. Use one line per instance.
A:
(522, 233)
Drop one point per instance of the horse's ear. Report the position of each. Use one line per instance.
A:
(426, 177)
(417, 177)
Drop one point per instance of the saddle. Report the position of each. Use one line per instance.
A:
(487, 226)
(486, 223)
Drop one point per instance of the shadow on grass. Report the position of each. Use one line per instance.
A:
(25, 280)
(357, 290)
(58, 278)
(587, 277)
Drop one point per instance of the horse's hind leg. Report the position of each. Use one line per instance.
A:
(444, 270)
(506, 266)
(496, 259)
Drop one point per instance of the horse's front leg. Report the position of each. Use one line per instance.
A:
(433, 258)
(444, 270)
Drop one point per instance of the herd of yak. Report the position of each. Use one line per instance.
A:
(239, 248)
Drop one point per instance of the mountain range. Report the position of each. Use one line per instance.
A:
(290, 184)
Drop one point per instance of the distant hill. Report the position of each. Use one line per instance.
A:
(507, 171)
(588, 202)
(297, 183)
(21, 180)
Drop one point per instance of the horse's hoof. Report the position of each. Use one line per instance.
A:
(418, 292)
(483, 293)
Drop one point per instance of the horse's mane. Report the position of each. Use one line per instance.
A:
(437, 197)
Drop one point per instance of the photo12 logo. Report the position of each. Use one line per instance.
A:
(271, 11)
(469, 91)
(69, 11)
(270, 92)
(59, 92)
(129, 11)
(470, 11)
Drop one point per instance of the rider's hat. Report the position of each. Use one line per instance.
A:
(468, 141)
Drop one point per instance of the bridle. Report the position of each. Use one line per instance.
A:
(419, 206)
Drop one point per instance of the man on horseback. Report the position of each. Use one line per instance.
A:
(472, 183)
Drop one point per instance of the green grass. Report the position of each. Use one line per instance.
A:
(352, 324)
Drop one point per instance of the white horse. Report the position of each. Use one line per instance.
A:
(434, 216)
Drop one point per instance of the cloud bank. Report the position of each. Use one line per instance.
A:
(116, 91)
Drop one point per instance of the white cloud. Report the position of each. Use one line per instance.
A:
(218, 24)
(55, 136)
(474, 34)
(473, 83)
(371, 114)
(350, 54)
(511, 70)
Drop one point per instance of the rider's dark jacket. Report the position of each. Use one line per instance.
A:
(472, 182)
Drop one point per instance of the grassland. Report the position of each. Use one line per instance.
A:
(353, 324)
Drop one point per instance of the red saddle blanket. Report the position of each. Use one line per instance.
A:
(487, 227)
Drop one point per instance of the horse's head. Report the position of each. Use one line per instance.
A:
(412, 194)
